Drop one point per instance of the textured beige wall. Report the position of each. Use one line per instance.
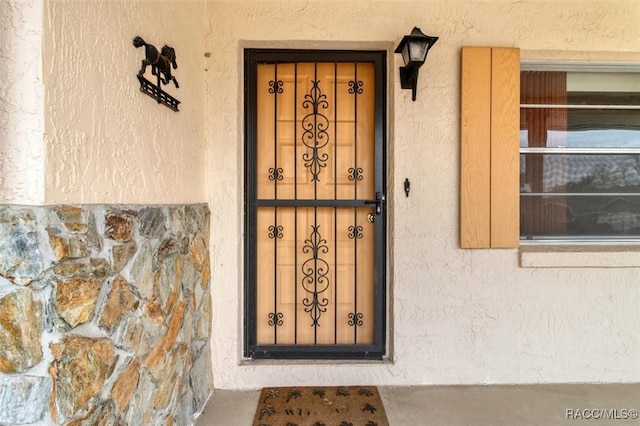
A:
(21, 102)
(459, 316)
(105, 140)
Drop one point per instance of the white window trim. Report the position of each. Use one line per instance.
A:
(580, 256)
(578, 66)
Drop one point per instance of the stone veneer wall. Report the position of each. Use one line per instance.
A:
(105, 314)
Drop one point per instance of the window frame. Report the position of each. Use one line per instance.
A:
(578, 66)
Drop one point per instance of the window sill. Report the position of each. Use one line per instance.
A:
(580, 256)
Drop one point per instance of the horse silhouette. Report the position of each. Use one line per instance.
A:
(161, 62)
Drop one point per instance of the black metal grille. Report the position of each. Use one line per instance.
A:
(313, 274)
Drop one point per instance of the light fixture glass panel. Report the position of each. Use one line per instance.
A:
(418, 50)
(405, 54)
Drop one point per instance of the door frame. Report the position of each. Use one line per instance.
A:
(251, 349)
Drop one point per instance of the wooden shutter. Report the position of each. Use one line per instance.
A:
(489, 147)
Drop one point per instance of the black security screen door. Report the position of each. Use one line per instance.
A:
(315, 224)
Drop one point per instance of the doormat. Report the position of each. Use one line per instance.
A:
(320, 406)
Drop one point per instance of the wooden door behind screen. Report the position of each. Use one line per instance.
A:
(316, 210)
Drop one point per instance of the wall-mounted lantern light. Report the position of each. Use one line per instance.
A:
(414, 48)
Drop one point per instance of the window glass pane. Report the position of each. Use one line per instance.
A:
(601, 215)
(579, 88)
(584, 173)
(603, 88)
(583, 98)
(601, 138)
(580, 128)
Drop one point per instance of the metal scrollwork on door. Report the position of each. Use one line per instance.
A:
(315, 126)
(275, 231)
(355, 173)
(355, 232)
(355, 319)
(275, 319)
(315, 271)
(275, 86)
(355, 87)
(275, 173)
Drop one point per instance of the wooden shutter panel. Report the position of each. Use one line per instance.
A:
(489, 147)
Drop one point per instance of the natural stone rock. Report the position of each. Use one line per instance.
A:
(195, 219)
(52, 321)
(168, 247)
(198, 252)
(95, 267)
(201, 378)
(106, 416)
(77, 248)
(194, 281)
(93, 238)
(119, 225)
(20, 331)
(169, 371)
(186, 332)
(59, 245)
(79, 370)
(73, 218)
(184, 409)
(141, 271)
(100, 414)
(125, 385)
(199, 255)
(141, 408)
(169, 283)
(173, 328)
(190, 278)
(154, 310)
(138, 335)
(204, 226)
(122, 253)
(176, 219)
(62, 247)
(184, 245)
(120, 301)
(23, 399)
(76, 299)
(203, 319)
(151, 222)
(20, 259)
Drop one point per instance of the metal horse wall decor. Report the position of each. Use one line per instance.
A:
(161, 63)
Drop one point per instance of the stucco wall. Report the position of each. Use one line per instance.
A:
(105, 140)
(21, 102)
(458, 316)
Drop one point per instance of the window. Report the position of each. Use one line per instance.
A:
(579, 152)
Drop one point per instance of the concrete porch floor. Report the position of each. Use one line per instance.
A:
(491, 405)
